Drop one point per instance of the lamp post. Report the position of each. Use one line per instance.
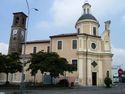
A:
(24, 49)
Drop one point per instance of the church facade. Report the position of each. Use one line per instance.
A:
(84, 48)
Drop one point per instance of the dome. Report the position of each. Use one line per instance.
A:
(87, 16)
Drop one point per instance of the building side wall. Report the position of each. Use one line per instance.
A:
(66, 51)
(107, 66)
(39, 47)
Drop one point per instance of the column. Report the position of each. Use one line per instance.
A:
(100, 74)
(89, 73)
(81, 72)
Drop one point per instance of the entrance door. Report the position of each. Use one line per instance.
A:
(94, 78)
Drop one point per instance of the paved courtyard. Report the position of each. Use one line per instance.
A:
(78, 90)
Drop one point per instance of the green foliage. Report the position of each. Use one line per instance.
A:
(108, 82)
(2, 60)
(49, 62)
(10, 64)
(14, 63)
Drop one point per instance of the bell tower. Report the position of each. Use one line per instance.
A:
(17, 35)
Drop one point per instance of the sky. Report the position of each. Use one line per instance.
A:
(59, 16)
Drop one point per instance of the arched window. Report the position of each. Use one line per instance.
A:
(78, 30)
(48, 49)
(87, 10)
(34, 50)
(84, 10)
(23, 21)
(94, 31)
(17, 20)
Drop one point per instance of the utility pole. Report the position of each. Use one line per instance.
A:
(22, 87)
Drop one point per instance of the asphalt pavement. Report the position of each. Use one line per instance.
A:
(116, 89)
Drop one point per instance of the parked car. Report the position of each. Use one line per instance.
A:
(123, 79)
(115, 79)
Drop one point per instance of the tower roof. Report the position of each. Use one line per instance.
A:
(87, 16)
(87, 13)
(22, 13)
(86, 3)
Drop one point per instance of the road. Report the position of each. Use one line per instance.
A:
(119, 89)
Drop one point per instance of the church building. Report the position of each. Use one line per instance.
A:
(86, 48)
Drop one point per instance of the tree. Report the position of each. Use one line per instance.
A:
(36, 63)
(50, 62)
(2, 59)
(10, 64)
(15, 64)
(34, 68)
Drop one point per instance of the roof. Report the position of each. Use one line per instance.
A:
(89, 35)
(72, 34)
(86, 4)
(20, 13)
(87, 16)
(60, 35)
(37, 41)
(64, 35)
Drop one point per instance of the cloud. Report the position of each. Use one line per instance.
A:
(44, 24)
(119, 56)
(107, 7)
(3, 48)
(123, 18)
(66, 12)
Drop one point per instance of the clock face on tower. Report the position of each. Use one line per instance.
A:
(14, 32)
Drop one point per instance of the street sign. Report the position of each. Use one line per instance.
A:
(120, 72)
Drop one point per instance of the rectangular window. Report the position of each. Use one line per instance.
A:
(74, 44)
(34, 50)
(94, 31)
(48, 49)
(74, 62)
(59, 45)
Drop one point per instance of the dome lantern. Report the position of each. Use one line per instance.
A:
(86, 8)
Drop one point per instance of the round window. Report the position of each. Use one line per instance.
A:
(93, 45)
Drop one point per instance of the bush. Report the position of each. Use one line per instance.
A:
(108, 82)
(63, 83)
(72, 84)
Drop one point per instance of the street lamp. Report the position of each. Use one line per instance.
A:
(24, 49)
